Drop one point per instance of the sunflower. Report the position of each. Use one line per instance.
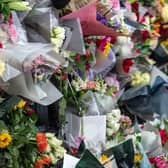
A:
(5, 139)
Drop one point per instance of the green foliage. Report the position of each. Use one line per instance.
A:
(22, 151)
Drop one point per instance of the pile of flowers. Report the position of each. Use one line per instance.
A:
(109, 86)
(50, 148)
(21, 143)
(159, 161)
(117, 125)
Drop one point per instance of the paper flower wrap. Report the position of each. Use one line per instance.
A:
(42, 25)
(87, 16)
(22, 84)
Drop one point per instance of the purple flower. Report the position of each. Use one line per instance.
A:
(112, 82)
(101, 18)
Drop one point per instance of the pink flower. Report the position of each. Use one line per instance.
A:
(78, 140)
(1, 45)
(38, 60)
(163, 135)
(115, 4)
(112, 82)
(10, 21)
(125, 122)
(12, 31)
(102, 43)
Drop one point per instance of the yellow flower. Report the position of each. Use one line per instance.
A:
(5, 139)
(107, 49)
(165, 43)
(162, 2)
(137, 157)
(20, 105)
(164, 13)
(139, 78)
(104, 158)
(2, 67)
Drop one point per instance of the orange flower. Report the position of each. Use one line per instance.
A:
(91, 85)
(47, 159)
(42, 146)
(40, 162)
(40, 137)
(41, 142)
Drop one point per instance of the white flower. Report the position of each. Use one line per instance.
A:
(116, 114)
(48, 150)
(57, 37)
(115, 127)
(50, 135)
(108, 132)
(2, 67)
(54, 159)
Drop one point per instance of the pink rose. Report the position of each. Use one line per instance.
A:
(12, 31)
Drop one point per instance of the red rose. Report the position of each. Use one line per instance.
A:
(113, 40)
(145, 35)
(98, 42)
(135, 8)
(64, 76)
(88, 41)
(30, 112)
(77, 58)
(127, 64)
(163, 135)
(152, 160)
(87, 66)
(1, 45)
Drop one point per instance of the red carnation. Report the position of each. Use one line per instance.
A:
(127, 64)
(163, 135)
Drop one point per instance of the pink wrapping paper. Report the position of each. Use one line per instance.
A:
(90, 26)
